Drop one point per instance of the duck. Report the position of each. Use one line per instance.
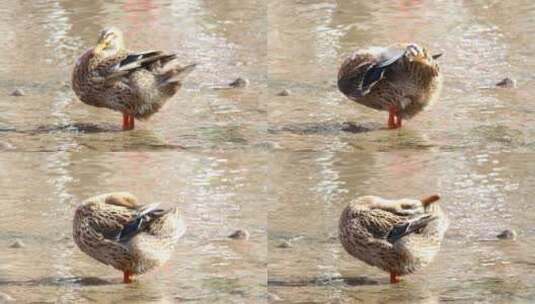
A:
(137, 84)
(402, 79)
(116, 230)
(399, 236)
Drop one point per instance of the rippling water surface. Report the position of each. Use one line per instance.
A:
(282, 167)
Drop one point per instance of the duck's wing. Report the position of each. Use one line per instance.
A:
(409, 226)
(390, 224)
(124, 63)
(140, 222)
(133, 62)
(377, 70)
(378, 222)
(360, 72)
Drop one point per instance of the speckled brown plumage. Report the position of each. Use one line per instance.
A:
(135, 84)
(398, 236)
(402, 79)
(116, 230)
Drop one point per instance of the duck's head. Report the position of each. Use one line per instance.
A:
(110, 41)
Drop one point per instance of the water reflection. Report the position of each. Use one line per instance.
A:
(217, 193)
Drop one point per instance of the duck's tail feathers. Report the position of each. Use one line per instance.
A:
(176, 74)
(171, 80)
(405, 228)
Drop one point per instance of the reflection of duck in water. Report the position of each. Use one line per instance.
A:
(135, 84)
(115, 230)
(401, 79)
(398, 236)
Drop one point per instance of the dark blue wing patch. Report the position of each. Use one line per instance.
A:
(138, 224)
(373, 75)
(376, 71)
(408, 227)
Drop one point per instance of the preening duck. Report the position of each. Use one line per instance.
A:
(135, 84)
(400, 79)
(116, 230)
(398, 236)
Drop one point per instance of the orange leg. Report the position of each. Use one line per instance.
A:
(125, 121)
(394, 278)
(132, 123)
(127, 277)
(394, 120)
(398, 121)
(128, 122)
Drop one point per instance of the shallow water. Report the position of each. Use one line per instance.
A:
(474, 147)
(282, 167)
(217, 194)
(38, 52)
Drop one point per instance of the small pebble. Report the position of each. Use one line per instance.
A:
(17, 244)
(284, 92)
(239, 83)
(285, 244)
(18, 92)
(506, 83)
(507, 234)
(5, 298)
(239, 235)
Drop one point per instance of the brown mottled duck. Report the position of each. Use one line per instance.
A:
(400, 79)
(398, 236)
(135, 84)
(116, 230)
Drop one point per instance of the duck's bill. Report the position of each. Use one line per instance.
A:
(436, 56)
(100, 46)
(430, 199)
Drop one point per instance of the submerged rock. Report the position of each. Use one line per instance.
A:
(239, 235)
(18, 92)
(507, 234)
(285, 244)
(506, 83)
(284, 92)
(239, 83)
(17, 244)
